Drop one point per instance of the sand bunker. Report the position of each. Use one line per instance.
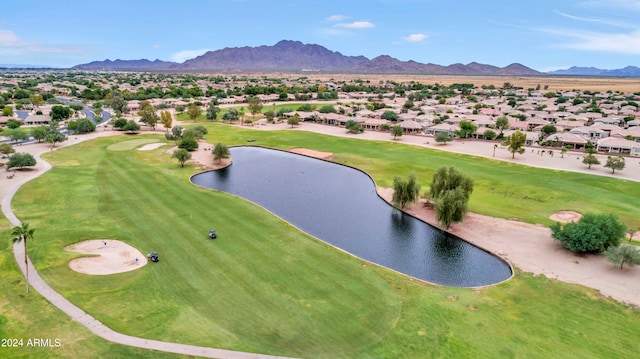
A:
(566, 216)
(113, 257)
(151, 146)
(312, 153)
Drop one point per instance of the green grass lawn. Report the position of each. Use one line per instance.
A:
(264, 286)
(29, 316)
(501, 189)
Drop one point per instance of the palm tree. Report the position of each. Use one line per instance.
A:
(22, 233)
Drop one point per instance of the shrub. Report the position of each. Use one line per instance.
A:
(592, 233)
(189, 144)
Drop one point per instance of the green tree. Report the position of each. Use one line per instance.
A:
(119, 105)
(353, 127)
(467, 128)
(166, 119)
(615, 163)
(396, 131)
(19, 234)
(624, 253)
(21, 160)
(36, 100)
(502, 123)
(197, 132)
(443, 137)
(408, 105)
(231, 115)
(405, 191)
(119, 123)
(16, 134)
(450, 190)
(255, 105)
(84, 125)
(293, 120)
(563, 150)
(327, 109)
(590, 159)
(548, 129)
(181, 155)
(97, 108)
(194, 111)
(177, 132)
(270, 115)
(7, 111)
(451, 207)
(212, 110)
(6, 149)
(592, 233)
(13, 123)
(220, 151)
(59, 113)
(148, 115)
(515, 143)
(390, 116)
(131, 126)
(54, 135)
(72, 125)
(188, 141)
(490, 134)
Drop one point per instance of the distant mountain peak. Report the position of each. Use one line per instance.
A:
(628, 71)
(292, 55)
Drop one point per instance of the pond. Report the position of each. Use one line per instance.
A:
(340, 206)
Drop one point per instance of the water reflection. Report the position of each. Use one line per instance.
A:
(339, 205)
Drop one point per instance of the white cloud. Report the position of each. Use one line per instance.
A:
(336, 18)
(184, 55)
(355, 25)
(8, 39)
(615, 43)
(633, 5)
(12, 44)
(619, 43)
(595, 20)
(415, 38)
(156, 46)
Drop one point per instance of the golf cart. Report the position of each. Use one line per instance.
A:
(212, 234)
(153, 256)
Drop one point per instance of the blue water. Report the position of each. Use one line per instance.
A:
(339, 205)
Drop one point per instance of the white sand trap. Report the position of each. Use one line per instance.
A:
(151, 146)
(312, 153)
(566, 216)
(114, 257)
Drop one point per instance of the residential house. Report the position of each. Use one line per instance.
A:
(618, 145)
(567, 139)
(590, 132)
(32, 120)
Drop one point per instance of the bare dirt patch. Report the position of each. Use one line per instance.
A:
(203, 157)
(110, 256)
(566, 216)
(532, 249)
(312, 153)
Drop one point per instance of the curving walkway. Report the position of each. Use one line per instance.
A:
(86, 319)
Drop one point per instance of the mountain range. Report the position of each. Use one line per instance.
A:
(294, 56)
(629, 71)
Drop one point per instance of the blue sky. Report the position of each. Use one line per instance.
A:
(542, 34)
